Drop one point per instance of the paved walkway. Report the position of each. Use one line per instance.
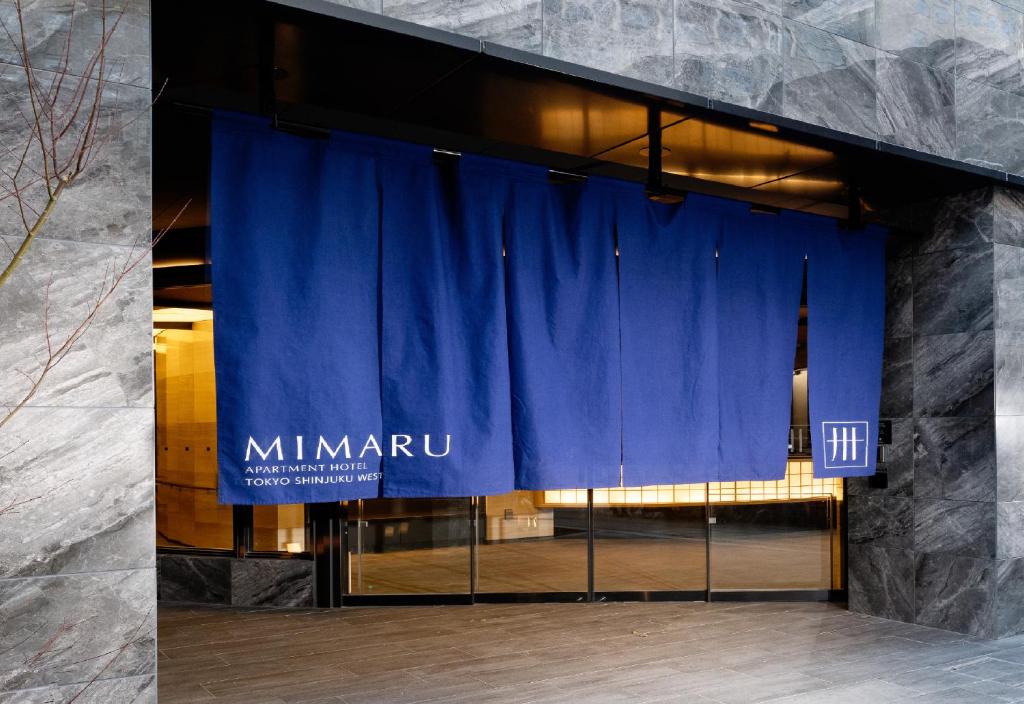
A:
(575, 653)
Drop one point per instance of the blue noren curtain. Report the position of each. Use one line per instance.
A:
(294, 268)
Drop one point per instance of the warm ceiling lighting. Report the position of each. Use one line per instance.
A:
(178, 261)
(181, 315)
(763, 126)
(753, 180)
(570, 125)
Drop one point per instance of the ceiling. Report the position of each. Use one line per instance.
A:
(312, 71)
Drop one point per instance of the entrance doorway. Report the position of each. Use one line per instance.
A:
(307, 74)
(729, 540)
(742, 540)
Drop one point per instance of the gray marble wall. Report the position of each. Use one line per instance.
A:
(77, 564)
(250, 581)
(944, 77)
(943, 544)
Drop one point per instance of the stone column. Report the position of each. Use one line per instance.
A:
(942, 544)
(1008, 283)
(77, 570)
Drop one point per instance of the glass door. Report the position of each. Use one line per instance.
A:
(777, 536)
(530, 545)
(685, 542)
(650, 540)
(408, 546)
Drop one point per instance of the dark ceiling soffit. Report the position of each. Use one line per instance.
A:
(632, 85)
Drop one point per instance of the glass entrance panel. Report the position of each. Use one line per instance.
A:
(279, 528)
(776, 535)
(409, 546)
(650, 539)
(532, 541)
(188, 514)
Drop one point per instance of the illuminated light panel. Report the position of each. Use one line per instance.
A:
(799, 483)
(181, 315)
(179, 261)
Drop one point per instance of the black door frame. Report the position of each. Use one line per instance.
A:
(329, 538)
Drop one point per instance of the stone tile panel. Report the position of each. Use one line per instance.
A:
(1009, 373)
(628, 37)
(65, 629)
(729, 50)
(829, 81)
(514, 23)
(961, 528)
(916, 106)
(923, 31)
(111, 200)
(195, 579)
(989, 39)
(953, 374)
(81, 481)
(47, 23)
(280, 583)
(111, 361)
(989, 122)
(955, 593)
(853, 19)
(953, 291)
(955, 458)
(897, 378)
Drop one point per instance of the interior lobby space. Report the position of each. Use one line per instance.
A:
(792, 653)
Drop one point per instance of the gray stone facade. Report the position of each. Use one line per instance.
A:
(77, 563)
(945, 77)
(943, 544)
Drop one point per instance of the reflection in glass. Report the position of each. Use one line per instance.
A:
(409, 546)
(188, 514)
(280, 528)
(776, 535)
(650, 547)
(766, 535)
(527, 546)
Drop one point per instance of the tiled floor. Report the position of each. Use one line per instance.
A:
(575, 653)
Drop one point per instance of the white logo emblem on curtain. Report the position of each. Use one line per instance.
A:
(844, 444)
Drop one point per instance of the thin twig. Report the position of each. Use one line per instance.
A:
(53, 113)
(132, 640)
(57, 353)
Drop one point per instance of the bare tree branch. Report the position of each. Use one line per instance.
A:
(52, 117)
(56, 353)
(129, 642)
